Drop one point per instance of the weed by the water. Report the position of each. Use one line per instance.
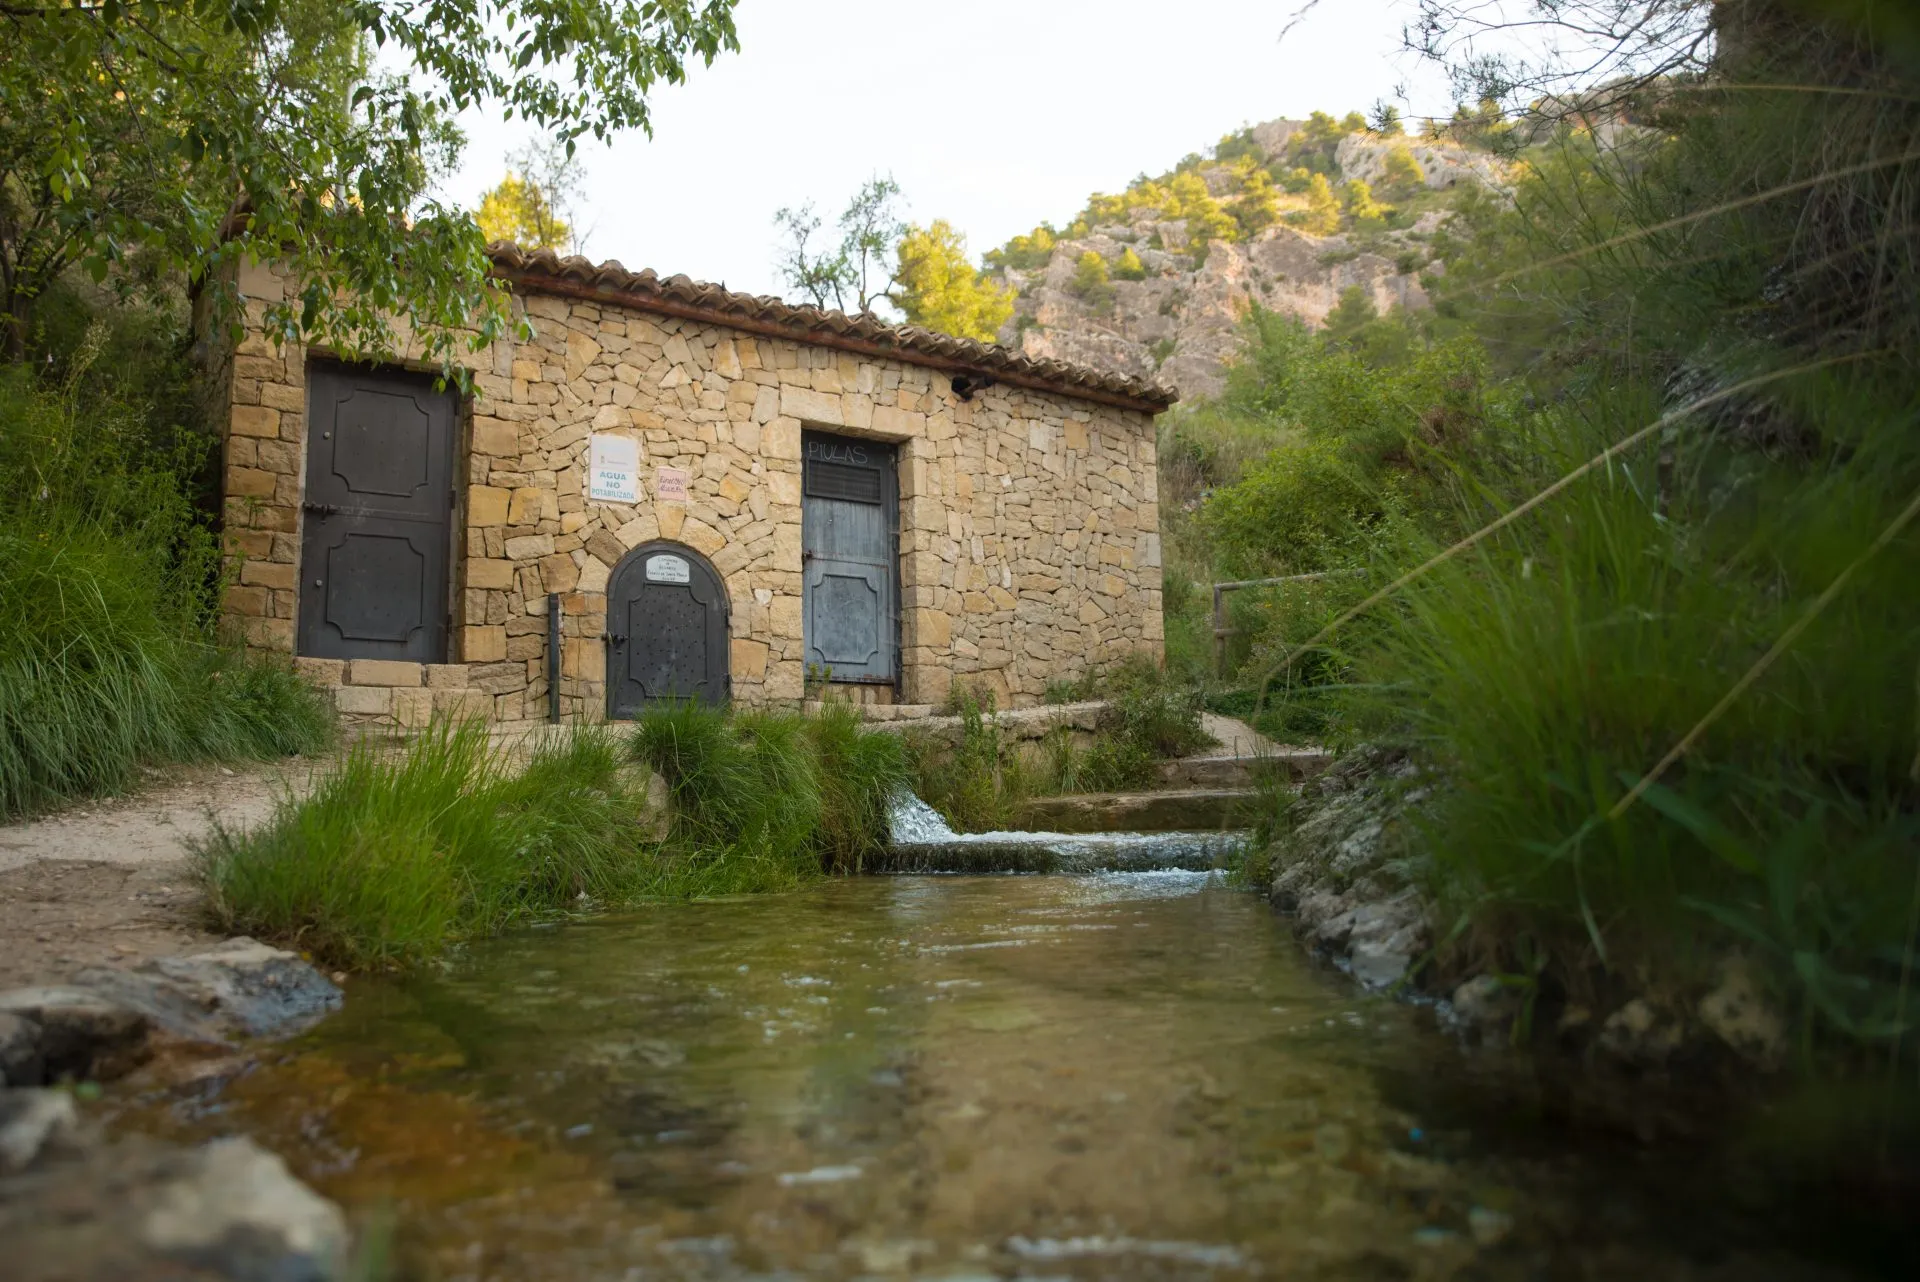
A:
(763, 800)
(982, 780)
(400, 852)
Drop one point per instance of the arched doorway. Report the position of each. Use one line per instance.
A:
(666, 629)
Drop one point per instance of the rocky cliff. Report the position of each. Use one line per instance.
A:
(1271, 216)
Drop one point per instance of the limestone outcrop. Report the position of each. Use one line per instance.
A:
(1180, 323)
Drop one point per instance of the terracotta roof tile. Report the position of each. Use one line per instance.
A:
(544, 271)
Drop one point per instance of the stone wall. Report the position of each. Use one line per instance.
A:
(1029, 544)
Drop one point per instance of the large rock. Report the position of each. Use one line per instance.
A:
(20, 1063)
(137, 1209)
(83, 1034)
(103, 1025)
(242, 988)
(30, 1121)
(233, 1206)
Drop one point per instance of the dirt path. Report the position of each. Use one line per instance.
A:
(108, 879)
(1235, 738)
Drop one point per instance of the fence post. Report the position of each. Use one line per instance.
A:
(553, 657)
(1220, 630)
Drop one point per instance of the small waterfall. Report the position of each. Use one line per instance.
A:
(923, 841)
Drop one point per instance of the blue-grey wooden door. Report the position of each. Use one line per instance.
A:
(851, 591)
(376, 516)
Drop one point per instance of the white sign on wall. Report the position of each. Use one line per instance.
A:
(613, 468)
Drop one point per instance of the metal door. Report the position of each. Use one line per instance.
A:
(666, 630)
(850, 590)
(377, 516)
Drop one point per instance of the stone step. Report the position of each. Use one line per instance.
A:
(1167, 810)
(1243, 771)
(1085, 853)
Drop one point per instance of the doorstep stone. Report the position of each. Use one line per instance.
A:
(363, 701)
(384, 672)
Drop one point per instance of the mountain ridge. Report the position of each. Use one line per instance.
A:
(1288, 214)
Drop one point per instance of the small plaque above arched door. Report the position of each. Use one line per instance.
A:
(666, 630)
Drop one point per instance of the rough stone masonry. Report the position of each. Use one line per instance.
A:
(1029, 545)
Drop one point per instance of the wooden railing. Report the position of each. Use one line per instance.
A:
(1220, 629)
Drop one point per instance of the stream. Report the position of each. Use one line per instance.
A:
(1123, 1075)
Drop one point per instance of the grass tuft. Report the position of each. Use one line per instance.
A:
(398, 853)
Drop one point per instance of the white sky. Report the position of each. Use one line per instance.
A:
(992, 114)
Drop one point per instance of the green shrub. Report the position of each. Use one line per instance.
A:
(108, 583)
(978, 786)
(983, 783)
(1090, 283)
(397, 854)
(1129, 267)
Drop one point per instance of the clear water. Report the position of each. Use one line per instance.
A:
(1111, 1076)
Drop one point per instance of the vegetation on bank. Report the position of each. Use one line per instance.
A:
(110, 573)
(981, 782)
(1674, 698)
(404, 851)
(1235, 191)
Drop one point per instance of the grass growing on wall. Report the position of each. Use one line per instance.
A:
(108, 585)
(403, 851)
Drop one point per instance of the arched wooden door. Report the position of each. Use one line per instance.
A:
(666, 630)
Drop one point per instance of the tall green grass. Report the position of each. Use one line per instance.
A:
(764, 800)
(399, 852)
(108, 582)
(405, 850)
(1547, 671)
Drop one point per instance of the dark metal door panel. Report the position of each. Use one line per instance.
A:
(377, 534)
(667, 638)
(850, 610)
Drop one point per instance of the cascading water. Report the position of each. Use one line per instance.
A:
(924, 842)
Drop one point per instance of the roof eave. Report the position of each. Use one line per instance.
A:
(544, 272)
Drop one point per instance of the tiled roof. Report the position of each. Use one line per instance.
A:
(546, 272)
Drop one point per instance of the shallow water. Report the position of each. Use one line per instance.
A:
(1112, 1076)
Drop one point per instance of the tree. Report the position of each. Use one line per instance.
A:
(1387, 121)
(533, 205)
(1257, 205)
(1090, 283)
(1024, 253)
(870, 227)
(1356, 198)
(151, 141)
(1400, 173)
(1129, 267)
(1352, 313)
(1322, 216)
(940, 288)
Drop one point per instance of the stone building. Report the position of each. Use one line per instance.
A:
(698, 493)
